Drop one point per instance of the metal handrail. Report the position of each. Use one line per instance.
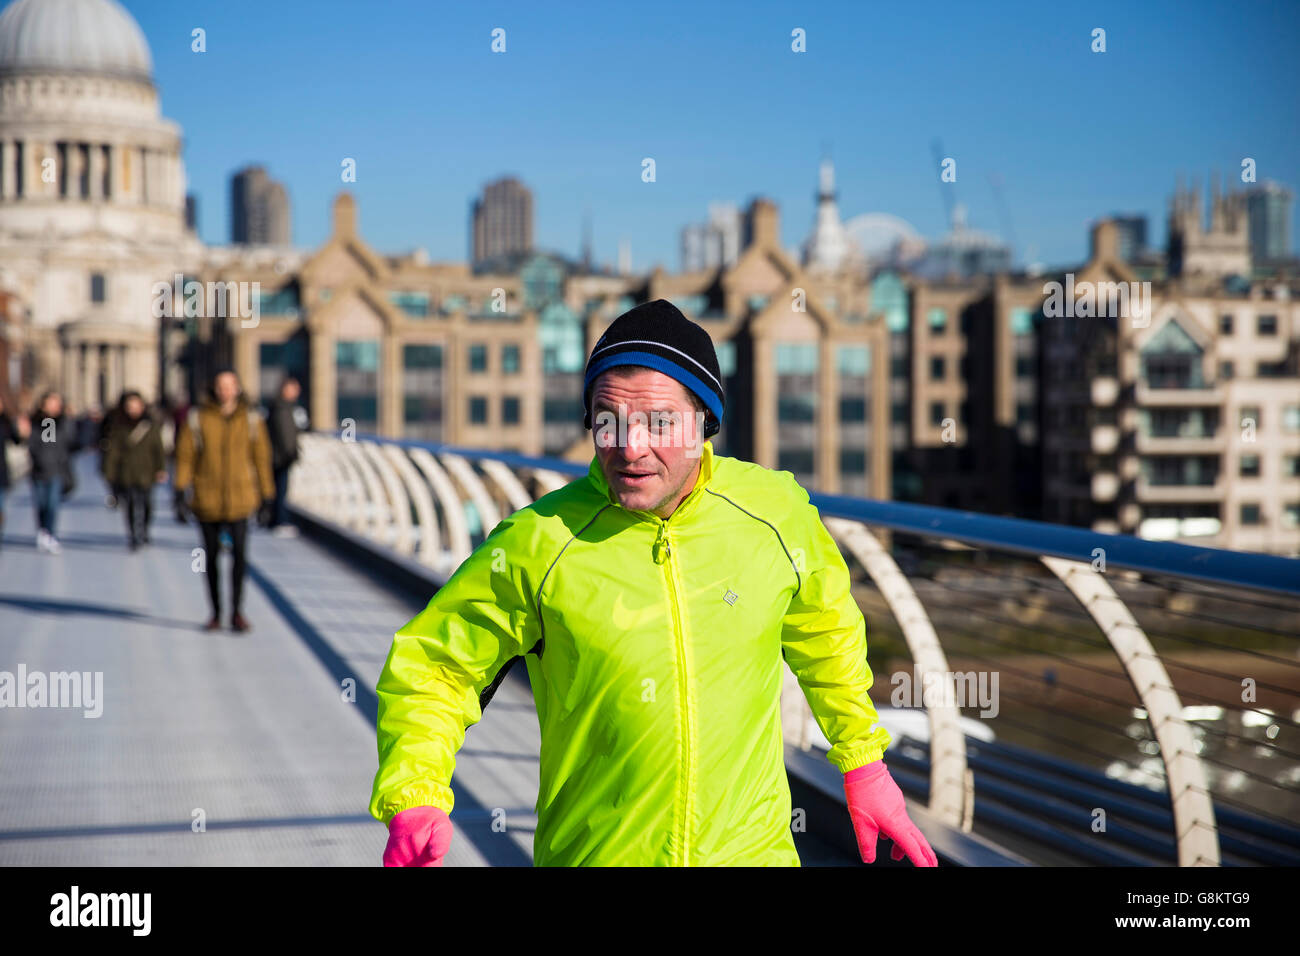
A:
(1255, 571)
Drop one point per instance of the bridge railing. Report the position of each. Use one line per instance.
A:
(1061, 646)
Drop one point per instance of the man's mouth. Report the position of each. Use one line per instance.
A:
(635, 477)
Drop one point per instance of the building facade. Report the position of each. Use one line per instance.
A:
(1180, 422)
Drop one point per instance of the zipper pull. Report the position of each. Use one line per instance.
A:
(662, 546)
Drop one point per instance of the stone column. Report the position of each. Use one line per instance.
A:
(96, 171)
(324, 393)
(389, 386)
(6, 169)
(764, 421)
(826, 456)
(68, 385)
(881, 474)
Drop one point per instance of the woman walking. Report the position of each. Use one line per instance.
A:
(12, 432)
(223, 451)
(52, 443)
(133, 462)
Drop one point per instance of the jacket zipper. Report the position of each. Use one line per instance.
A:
(683, 685)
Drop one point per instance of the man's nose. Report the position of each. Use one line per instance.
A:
(638, 440)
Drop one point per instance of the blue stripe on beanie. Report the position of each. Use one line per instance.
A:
(706, 393)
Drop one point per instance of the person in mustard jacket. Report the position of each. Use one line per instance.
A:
(654, 602)
(224, 454)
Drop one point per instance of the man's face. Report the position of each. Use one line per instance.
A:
(226, 388)
(134, 407)
(291, 391)
(647, 438)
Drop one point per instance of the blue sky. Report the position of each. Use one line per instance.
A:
(713, 93)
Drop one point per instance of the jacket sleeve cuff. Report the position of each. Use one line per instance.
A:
(425, 795)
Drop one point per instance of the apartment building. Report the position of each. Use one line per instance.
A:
(1180, 421)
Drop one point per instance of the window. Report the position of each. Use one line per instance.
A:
(422, 356)
(854, 359)
(1266, 324)
(937, 368)
(1022, 321)
(1250, 514)
(938, 321)
(1172, 359)
(477, 410)
(964, 367)
(414, 304)
(510, 410)
(1225, 370)
(853, 461)
(1291, 466)
(1225, 325)
(1291, 418)
(936, 413)
(510, 359)
(726, 352)
(478, 358)
(898, 414)
(898, 366)
(1249, 466)
(1291, 515)
(792, 359)
(853, 409)
(797, 461)
(1024, 413)
(1025, 366)
(96, 287)
(1250, 416)
(965, 411)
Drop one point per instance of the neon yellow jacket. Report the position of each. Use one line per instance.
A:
(656, 667)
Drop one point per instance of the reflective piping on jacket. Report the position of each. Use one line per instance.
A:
(541, 623)
(798, 580)
(489, 692)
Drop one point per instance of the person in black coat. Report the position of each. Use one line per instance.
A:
(13, 431)
(52, 443)
(285, 419)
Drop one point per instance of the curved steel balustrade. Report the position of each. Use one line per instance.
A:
(431, 503)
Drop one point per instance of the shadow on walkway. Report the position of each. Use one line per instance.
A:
(472, 818)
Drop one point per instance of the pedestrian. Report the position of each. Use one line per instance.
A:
(133, 463)
(222, 450)
(13, 431)
(103, 435)
(51, 443)
(654, 602)
(285, 420)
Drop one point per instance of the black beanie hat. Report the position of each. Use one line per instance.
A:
(657, 335)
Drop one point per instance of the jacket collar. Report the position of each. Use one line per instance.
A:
(707, 467)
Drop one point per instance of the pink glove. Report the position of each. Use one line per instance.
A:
(876, 806)
(419, 836)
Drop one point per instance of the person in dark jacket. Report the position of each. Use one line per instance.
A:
(285, 420)
(13, 431)
(133, 462)
(52, 443)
